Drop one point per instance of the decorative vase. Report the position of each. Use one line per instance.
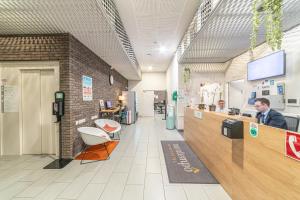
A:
(201, 106)
(212, 107)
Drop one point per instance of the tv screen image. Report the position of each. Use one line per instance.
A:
(266, 67)
(108, 104)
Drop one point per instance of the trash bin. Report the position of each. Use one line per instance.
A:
(170, 117)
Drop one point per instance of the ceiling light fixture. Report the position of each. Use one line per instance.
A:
(150, 68)
(162, 49)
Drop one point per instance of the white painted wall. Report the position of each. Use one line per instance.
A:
(236, 94)
(150, 81)
(172, 79)
(209, 79)
(238, 69)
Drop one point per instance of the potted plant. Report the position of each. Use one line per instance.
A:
(213, 107)
(201, 106)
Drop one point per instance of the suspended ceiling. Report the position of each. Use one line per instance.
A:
(152, 24)
(82, 18)
(226, 33)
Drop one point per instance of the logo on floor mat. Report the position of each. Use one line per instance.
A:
(178, 157)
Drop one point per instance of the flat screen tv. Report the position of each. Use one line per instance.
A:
(266, 67)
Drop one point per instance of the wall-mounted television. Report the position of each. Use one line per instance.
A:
(266, 67)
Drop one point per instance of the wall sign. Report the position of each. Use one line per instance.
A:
(87, 88)
(9, 99)
(253, 129)
(292, 145)
(198, 114)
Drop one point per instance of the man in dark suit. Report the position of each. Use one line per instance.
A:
(268, 116)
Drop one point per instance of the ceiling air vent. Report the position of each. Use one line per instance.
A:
(204, 11)
(112, 15)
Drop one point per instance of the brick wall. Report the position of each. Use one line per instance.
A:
(84, 62)
(75, 60)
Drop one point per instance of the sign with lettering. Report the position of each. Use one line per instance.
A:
(198, 114)
(9, 98)
(292, 145)
(87, 88)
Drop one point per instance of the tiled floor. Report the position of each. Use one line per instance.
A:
(135, 171)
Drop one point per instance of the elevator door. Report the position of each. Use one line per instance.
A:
(38, 134)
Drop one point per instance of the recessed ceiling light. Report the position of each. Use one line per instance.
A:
(162, 49)
(150, 68)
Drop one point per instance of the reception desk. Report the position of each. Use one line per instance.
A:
(253, 168)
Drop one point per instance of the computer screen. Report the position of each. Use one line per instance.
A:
(108, 104)
(269, 66)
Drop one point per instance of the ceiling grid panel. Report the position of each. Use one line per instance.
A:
(227, 31)
(81, 18)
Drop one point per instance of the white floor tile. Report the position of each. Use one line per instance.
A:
(195, 192)
(52, 191)
(133, 192)
(92, 192)
(124, 165)
(153, 165)
(137, 175)
(77, 186)
(104, 173)
(154, 187)
(11, 191)
(175, 193)
(115, 187)
(216, 192)
(40, 185)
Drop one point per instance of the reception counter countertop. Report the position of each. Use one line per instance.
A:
(249, 168)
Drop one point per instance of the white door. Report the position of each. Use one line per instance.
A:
(38, 87)
(47, 97)
(147, 104)
(31, 112)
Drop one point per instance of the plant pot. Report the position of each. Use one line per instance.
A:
(212, 107)
(201, 106)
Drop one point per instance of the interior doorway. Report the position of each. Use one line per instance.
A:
(160, 99)
(37, 95)
(147, 103)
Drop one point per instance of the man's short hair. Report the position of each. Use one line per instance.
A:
(221, 101)
(263, 101)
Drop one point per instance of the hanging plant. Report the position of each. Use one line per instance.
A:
(186, 74)
(255, 25)
(272, 10)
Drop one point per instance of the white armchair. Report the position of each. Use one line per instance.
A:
(93, 136)
(111, 127)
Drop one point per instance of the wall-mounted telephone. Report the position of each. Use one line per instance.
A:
(292, 140)
(58, 105)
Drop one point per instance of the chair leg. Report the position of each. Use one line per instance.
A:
(106, 151)
(84, 152)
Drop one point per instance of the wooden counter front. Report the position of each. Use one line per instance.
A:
(249, 168)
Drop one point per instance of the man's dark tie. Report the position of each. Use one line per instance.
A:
(262, 118)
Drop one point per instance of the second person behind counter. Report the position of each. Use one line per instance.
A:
(221, 107)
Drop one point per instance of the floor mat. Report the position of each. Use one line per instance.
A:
(183, 165)
(98, 152)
